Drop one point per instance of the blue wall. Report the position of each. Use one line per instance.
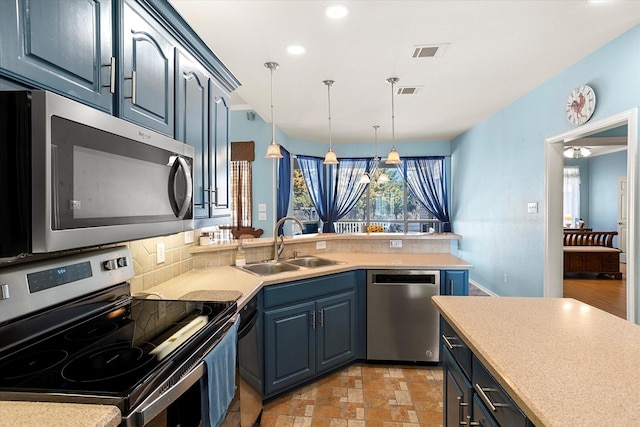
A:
(498, 167)
(603, 190)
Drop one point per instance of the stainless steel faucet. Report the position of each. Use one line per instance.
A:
(278, 250)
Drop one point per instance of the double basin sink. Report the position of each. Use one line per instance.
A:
(291, 264)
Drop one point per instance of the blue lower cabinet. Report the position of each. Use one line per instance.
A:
(454, 282)
(289, 346)
(309, 328)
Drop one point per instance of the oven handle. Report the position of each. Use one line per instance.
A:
(148, 412)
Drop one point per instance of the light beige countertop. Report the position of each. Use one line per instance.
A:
(233, 278)
(563, 362)
(19, 414)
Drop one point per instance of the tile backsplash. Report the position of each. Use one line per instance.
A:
(180, 260)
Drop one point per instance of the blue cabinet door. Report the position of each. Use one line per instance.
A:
(192, 125)
(147, 79)
(289, 346)
(63, 45)
(454, 282)
(220, 111)
(336, 330)
(458, 392)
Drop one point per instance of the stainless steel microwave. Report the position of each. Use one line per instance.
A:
(74, 177)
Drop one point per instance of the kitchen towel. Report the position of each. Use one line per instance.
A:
(219, 385)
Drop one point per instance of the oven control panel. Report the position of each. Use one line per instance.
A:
(34, 286)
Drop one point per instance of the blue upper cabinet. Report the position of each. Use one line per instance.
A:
(147, 79)
(220, 112)
(192, 125)
(65, 46)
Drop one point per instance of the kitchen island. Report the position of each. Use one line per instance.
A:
(564, 363)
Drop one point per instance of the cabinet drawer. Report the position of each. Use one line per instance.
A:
(495, 399)
(294, 292)
(459, 350)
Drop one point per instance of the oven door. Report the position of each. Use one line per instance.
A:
(178, 401)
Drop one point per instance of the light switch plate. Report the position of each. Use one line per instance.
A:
(532, 207)
(189, 237)
(262, 207)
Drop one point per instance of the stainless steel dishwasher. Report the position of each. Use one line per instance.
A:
(402, 324)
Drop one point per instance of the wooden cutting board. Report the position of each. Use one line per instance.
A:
(212, 295)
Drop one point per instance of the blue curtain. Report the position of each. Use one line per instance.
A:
(284, 185)
(314, 175)
(346, 187)
(334, 190)
(426, 179)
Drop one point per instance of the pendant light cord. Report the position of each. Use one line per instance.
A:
(329, 83)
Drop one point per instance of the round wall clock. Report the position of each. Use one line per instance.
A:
(581, 104)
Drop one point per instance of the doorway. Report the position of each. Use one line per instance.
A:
(554, 164)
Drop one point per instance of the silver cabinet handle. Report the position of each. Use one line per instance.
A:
(4, 294)
(461, 404)
(448, 343)
(483, 395)
(313, 319)
(112, 74)
(450, 286)
(213, 201)
(133, 87)
(322, 318)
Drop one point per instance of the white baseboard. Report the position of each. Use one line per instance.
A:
(482, 288)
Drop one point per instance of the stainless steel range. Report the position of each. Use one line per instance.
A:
(71, 332)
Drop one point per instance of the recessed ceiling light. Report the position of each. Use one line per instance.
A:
(296, 49)
(336, 11)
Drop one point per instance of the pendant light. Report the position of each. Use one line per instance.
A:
(393, 158)
(330, 158)
(366, 179)
(273, 150)
(382, 178)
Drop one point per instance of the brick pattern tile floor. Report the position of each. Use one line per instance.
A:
(363, 395)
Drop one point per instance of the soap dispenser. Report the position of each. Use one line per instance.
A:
(240, 258)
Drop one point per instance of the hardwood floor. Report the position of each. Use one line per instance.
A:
(606, 294)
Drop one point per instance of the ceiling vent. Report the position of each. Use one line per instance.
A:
(429, 51)
(408, 90)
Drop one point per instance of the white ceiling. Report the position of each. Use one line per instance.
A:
(498, 51)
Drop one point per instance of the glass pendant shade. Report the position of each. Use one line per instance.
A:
(273, 150)
(393, 158)
(365, 178)
(383, 178)
(330, 158)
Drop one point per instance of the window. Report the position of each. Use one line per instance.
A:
(571, 196)
(390, 205)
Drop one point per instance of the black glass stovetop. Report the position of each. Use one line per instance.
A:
(120, 346)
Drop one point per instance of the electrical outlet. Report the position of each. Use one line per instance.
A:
(189, 237)
(262, 207)
(395, 243)
(262, 216)
(506, 278)
(321, 245)
(160, 253)
(532, 207)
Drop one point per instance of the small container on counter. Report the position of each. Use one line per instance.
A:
(240, 257)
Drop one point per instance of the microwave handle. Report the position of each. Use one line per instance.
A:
(182, 210)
